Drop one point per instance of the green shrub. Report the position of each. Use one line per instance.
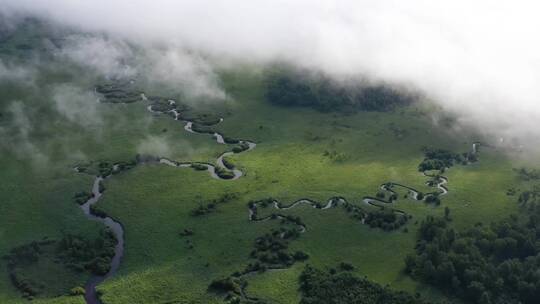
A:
(82, 197)
(199, 166)
(241, 147)
(77, 291)
(223, 173)
(228, 162)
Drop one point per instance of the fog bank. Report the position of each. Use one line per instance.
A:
(477, 59)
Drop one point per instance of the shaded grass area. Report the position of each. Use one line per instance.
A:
(42, 275)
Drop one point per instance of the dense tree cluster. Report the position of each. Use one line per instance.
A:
(340, 287)
(497, 263)
(439, 159)
(386, 219)
(95, 255)
(288, 87)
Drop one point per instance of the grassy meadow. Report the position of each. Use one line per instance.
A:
(300, 153)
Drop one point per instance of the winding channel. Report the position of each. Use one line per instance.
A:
(436, 180)
(90, 288)
(91, 295)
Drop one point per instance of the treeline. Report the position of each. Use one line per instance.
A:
(339, 286)
(486, 264)
(288, 87)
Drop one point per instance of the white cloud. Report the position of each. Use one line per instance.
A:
(154, 145)
(480, 59)
(106, 56)
(188, 72)
(15, 72)
(19, 135)
(76, 105)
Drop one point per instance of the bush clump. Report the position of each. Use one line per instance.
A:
(243, 146)
(82, 197)
(229, 163)
(199, 166)
(210, 207)
(77, 291)
(224, 173)
(386, 219)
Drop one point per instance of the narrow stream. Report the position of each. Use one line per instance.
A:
(118, 231)
(91, 296)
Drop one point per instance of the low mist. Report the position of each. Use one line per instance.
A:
(478, 60)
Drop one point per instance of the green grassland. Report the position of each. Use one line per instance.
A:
(300, 153)
(289, 163)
